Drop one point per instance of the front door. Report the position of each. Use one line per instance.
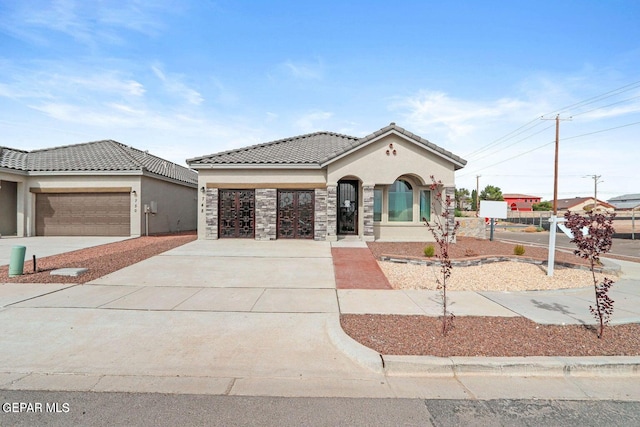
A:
(236, 213)
(348, 207)
(295, 214)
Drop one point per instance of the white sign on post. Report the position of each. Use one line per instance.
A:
(493, 209)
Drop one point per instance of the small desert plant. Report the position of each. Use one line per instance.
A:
(444, 232)
(429, 251)
(470, 252)
(530, 229)
(518, 250)
(593, 243)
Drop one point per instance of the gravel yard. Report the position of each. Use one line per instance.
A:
(100, 260)
(484, 336)
(498, 276)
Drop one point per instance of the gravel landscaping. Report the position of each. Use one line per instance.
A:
(484, 336)
(100, 260)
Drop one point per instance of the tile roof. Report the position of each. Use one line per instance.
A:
(310, 149)
(570, 203)
(625, 198)
(95, 156)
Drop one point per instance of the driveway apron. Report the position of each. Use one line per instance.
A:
(241, 309)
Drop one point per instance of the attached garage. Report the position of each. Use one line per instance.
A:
(83, 214)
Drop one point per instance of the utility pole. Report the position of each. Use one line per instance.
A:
(477, 194)
(553, 221)
(595, 189)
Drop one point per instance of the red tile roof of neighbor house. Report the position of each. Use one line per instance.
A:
(94, 156)
(312, 149)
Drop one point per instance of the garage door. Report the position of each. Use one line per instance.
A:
(236, 213)
(295, 214)
(83, 214)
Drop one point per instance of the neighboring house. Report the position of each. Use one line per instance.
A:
(582, 204)
(96, 188)
(626, 202)
(520, 202)
(324, 185)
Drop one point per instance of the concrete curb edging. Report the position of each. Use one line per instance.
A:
(519, 366)
(354, 350)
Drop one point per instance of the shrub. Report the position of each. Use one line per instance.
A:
(457, 212)
(518, 250)
(530, 229)
(429, 251)
(595, 242)
(444, 231)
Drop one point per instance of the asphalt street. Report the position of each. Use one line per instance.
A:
(623, 247)
(149, 409)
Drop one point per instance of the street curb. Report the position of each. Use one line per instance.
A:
(354, 350)
(517, 366)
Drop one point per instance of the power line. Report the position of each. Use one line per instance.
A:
(549, 143)
(517, 142)
(608, 105)
(526, 127)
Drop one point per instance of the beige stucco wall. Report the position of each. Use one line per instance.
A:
(21, 203)
(176, 204)
(263, 176)
(372, 165)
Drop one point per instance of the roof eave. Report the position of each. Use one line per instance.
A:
(13, 171)
(457, 164)
(255, 166)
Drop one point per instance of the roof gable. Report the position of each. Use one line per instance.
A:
(314, 149)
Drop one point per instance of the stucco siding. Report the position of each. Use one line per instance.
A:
(372, 164)
(177, 205)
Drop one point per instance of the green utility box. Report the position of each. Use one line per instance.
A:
(16, 263)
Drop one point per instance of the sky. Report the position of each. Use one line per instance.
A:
(187, 78)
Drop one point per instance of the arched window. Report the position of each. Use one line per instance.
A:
(401, 201)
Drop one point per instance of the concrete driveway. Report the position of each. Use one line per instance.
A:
(255, 317)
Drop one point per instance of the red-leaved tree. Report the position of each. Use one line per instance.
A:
(596, 240)
(443, 229)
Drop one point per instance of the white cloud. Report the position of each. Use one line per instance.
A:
(303, 70)
(87, 22)
(309, 121)
(428, 111)
(174, 85)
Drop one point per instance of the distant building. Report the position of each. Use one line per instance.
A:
(626, 202)
(583, 204)
(520, 202)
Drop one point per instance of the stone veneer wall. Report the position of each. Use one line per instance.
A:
(266, 213)
(211, 213)
(472, 227)
(332, 212)
(367, 212)
(320, 215)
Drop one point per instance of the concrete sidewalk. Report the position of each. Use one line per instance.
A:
(262, 318)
